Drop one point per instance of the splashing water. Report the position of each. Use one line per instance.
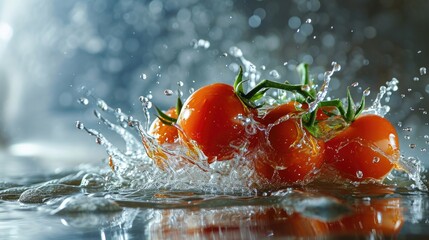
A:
(377, 108)
(324, 89)
(145, 164)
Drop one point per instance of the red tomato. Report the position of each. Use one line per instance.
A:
(162, 132)
(367, 149)
(292, 154)
(209, 117)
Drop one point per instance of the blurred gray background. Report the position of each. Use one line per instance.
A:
(120, 50)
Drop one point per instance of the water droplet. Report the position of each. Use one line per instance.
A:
(83, 101)
(412, 145)
(97, 114)
(236, 52)
(359, 174)
(426, 136)
(308, 20)
(191, 90)
(305, 88)
(407, 137)
(422, 71)
(275, 74)
(427, 142)
(146, 103)
(366, 92)
(79, 125)
(376, 159)
(143, 76)
(102, 105)
(416, 79)
(419, 51)
(336, 66)
(263, 67)
(409, 89)
(355, 84)
(224, 54)
(200, 43)
(285, 63)
(423, 150)
(98, 140)
(399, 124)
(408, 129)
(180, 83)
(168, 92)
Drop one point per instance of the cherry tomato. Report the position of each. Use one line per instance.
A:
(293, 154)
(367, 149)
(209, 117)
(162, 132)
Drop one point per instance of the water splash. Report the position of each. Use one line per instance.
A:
(250, 71)
(144, 163)
(321, 94)
(377, 107)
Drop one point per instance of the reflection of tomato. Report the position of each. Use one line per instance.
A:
(381, 216)
(293, 154)
(235, 223)
(162, 132)
(209, 117)
(278, 223)
(367, 149)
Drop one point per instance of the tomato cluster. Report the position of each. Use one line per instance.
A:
(291, 144)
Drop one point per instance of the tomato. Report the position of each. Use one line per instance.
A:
(209, 117)
(367, 149)
(382, 217)
(162, 132)
(293, 154)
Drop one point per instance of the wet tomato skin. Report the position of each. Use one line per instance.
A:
(293, 154)
(367, 149)
(209, 117)
(164, 133)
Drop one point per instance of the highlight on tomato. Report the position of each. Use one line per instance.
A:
(367, 149)
(292, 155)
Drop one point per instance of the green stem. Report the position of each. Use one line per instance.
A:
(283, 86)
